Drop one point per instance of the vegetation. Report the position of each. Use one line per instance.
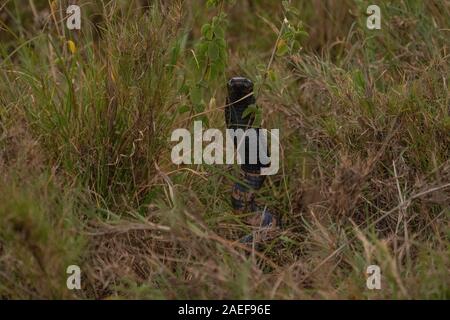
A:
(85, 171)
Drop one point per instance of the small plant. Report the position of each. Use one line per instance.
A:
(292, 31)
(210, 56)
(290, 36)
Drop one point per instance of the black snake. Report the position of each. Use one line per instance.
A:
(240, 97)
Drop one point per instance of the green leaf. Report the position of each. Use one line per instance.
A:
(251, 109)
(221, 43)
(207, 31)
(290, 8)
(272, 75)
(196, 95)
(199, 107)
(219, 32)
(201, 50)
(258, 119)
(359, 81)
(211, 3)
(183, 109)
(204, 119)
(213, 51)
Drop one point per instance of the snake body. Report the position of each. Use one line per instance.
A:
(240, 97)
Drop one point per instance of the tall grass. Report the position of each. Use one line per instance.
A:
(86, 176)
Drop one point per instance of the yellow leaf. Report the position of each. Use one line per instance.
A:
(281, 43)
(282, 48)
(72, 46)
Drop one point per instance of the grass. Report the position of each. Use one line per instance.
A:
(86, 176)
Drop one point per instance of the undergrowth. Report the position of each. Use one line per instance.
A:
(86, 177)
